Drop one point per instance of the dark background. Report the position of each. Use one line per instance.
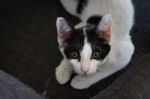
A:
(29, 51)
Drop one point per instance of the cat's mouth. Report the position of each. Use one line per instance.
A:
(86, 74)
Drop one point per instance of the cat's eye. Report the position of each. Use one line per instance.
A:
(96, 55)
(75, 55)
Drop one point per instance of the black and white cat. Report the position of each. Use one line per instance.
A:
(98, 46)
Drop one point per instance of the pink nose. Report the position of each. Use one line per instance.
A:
(84, 70)
(85, 67)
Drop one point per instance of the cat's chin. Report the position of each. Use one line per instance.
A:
(85, 74)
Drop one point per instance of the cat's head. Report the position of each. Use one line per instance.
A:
(86, 48)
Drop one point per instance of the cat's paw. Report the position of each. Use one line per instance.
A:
(62, 74)
(79, 82)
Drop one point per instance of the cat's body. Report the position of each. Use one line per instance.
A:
(115, 36)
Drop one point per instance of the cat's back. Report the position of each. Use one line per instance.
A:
(103, 7)
(121, 11)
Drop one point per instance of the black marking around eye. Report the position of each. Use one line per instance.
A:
(81, 5)
(97, 43)
(75, 43)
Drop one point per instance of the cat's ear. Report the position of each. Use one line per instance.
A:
(63, 30)
(104, 28)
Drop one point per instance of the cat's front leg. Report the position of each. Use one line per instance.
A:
(63, 72)
(80, 82)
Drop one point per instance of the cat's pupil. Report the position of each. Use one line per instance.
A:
(75, 55)
(96, 55)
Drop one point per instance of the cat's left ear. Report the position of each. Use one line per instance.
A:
(104, 28)
(63, 30)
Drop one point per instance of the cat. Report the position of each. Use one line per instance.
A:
(99, 45)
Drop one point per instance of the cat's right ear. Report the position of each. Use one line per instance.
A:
(104, 28)
(63, 30)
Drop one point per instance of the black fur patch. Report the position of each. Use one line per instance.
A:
(97, 43)
(94, 20)
(81, 5)
(75, 43)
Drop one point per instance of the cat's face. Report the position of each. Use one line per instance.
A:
(85, 48)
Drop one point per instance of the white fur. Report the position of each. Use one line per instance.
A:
(70, 6)
(121, 45)
(63, 72)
